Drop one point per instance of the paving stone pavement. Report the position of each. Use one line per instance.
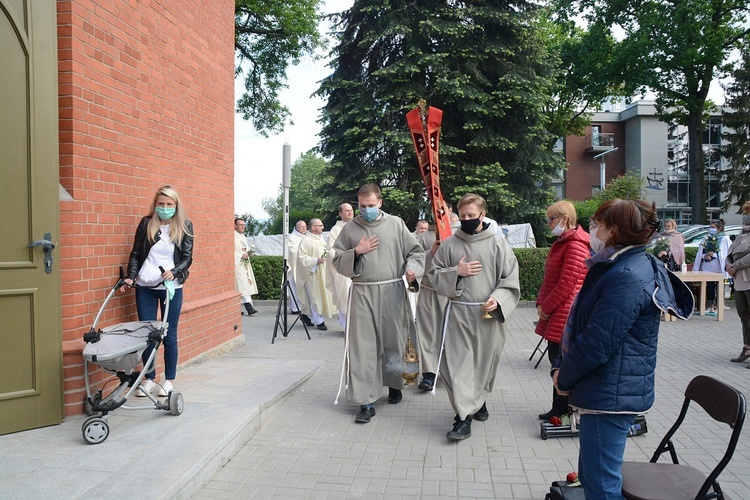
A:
(259, 422)
(311, 448)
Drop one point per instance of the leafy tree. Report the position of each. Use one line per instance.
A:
(268, 36)
(581, 81)
(305, 200)
(736, 179)
(483, 63)
(674, 49)
(630, 186)
(252, 225)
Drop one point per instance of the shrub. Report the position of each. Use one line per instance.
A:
(530, 270)
(268, 273)
(268, 270)
(690, 254)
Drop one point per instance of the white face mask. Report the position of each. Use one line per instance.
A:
(596, 243)
(559, 229)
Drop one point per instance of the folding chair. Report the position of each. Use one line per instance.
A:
(651, 480)
(537, 349)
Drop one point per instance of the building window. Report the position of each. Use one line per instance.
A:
(596, 135)
(712, 133)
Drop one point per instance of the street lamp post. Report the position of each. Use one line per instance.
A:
(601, 166)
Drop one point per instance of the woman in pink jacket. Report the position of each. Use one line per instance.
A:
(564, 272)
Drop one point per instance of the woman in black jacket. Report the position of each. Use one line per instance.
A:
(162, 252)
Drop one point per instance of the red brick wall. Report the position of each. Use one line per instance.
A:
(583, 171)
(146, 99)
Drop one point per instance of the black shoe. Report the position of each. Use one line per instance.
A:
(250, 309)
(306, 320)
(745, 354)
(547, 416)
(428, 382)
(394, 396)
(365, 414)
(461, 429)
(482, 414)
(550, 414)
(322, 326)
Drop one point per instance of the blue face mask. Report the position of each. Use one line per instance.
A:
(711, 230)
(369, 213)
(165, 213)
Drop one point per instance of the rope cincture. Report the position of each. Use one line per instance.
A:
(346, 365)
(445, 329)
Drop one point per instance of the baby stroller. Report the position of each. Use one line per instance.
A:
(117, 350)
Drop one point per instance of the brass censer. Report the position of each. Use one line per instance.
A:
(411, 363)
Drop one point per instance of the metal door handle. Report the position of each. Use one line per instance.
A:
(47, 246)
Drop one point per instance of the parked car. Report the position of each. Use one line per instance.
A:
(695, 237)
(689, 230)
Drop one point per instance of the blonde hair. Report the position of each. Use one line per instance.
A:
(177, 224)
(473, 198)
(564, 208)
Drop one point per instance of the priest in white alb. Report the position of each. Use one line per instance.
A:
(310, 275)
(337, 283)
(293, 241)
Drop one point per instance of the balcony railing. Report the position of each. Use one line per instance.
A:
(600, 142)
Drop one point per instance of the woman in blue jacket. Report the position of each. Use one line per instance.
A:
(608, 351)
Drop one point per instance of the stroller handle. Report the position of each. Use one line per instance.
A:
(91, 335)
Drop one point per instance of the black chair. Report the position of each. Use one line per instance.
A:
(651, 480)
(537, 349)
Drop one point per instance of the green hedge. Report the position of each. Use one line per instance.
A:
(530, 270)
(268, 272)
(690, 254)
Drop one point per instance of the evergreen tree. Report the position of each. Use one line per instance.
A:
(736, 179)
(481, 62)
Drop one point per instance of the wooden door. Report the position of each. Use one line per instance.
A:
(31, 393)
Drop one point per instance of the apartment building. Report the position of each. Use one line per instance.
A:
(631, 138)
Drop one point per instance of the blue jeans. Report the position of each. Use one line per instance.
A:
(602, 441)
(146, 302)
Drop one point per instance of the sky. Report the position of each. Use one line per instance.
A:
(257, 159)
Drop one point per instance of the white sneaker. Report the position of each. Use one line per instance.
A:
(147, 385)
(165, 388)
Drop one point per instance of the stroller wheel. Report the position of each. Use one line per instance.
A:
(95, 430)
(176, 403)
